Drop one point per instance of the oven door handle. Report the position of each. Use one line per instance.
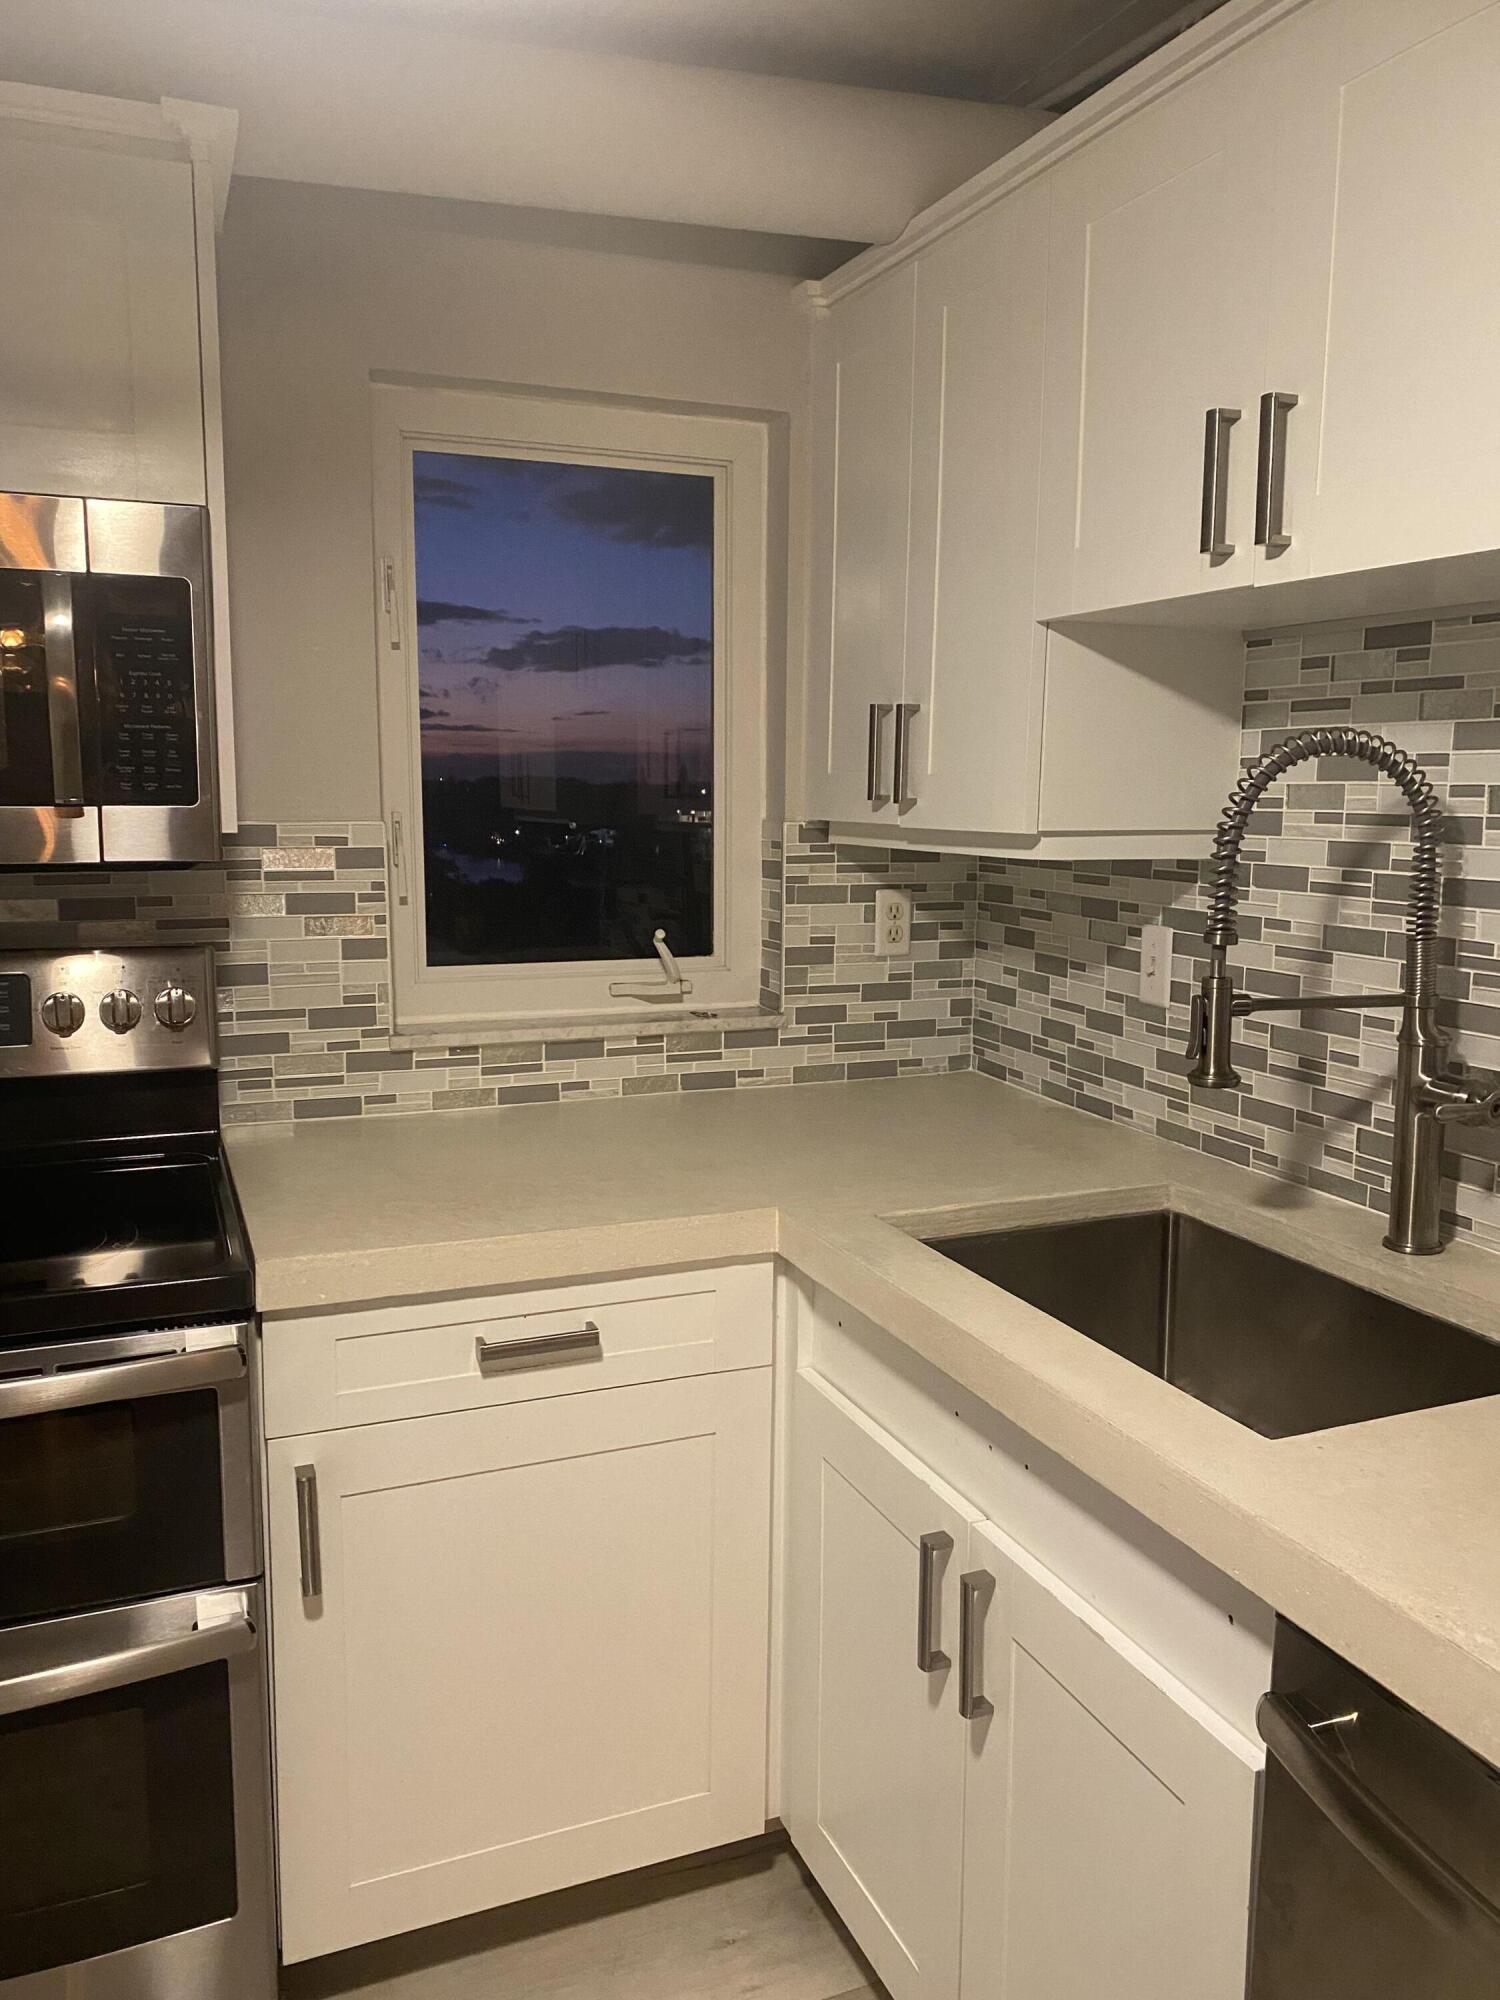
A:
(50, 1685)
(121, 1381)
(1418, 1872)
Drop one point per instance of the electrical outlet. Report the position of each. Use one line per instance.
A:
(1156, 965)
(893, 923)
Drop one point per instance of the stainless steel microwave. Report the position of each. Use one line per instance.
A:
(106, 688)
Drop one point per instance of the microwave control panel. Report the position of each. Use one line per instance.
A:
(143, 667)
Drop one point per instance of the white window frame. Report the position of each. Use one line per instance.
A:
(489, 422)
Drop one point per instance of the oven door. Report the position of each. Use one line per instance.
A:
(134, 1839)
(45, 816)
(126, 1469)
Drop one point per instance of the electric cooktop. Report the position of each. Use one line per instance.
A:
(116, 1205)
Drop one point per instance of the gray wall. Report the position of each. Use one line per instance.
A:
(319, 289)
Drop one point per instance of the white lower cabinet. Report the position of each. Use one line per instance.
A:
(516, 1647)
(1087, 1829)
(1109, 1815)
(873, 1790)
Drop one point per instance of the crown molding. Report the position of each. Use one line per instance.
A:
(1191, 52)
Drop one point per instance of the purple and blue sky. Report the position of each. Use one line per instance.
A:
(565, 612)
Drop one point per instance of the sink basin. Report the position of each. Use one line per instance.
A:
(1280, 1346)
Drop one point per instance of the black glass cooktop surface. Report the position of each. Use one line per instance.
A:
(145, 1236)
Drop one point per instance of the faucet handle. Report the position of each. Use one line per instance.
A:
(1464, 1096)
(1197, 1028)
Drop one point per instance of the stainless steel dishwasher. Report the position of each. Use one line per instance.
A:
(1380, 1844)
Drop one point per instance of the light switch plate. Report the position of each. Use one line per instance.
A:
(892, 923)
(1156, 965)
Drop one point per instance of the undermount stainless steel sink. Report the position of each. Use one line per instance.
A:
(1280, 1346)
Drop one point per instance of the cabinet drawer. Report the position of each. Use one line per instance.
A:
(333, 1370)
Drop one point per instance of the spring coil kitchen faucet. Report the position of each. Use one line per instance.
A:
(1429, 1091)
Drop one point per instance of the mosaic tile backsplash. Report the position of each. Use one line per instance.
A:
(1057, 1005)
(1027, 971)
(300, 918)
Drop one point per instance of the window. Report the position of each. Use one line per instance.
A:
(572, 705)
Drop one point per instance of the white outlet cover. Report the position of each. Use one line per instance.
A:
(893, 917)
(1156, 965)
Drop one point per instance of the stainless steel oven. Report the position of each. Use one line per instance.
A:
(134, 1845)
(135, 1849)
(127, 1469)
(106, 690)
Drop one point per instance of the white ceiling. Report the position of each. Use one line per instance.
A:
(1015, 51)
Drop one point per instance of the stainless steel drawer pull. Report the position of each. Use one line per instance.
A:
(1214, 540)
(125, 1381)
(309, 1546)
(1270, 483)
(581, 1343)
(901, 794)
(930, 1659)
(879, 710)
(975, 1589)
(46, 1687)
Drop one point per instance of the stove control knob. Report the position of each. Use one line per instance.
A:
(62, 1013)
(175, 1008)
(120, 1010)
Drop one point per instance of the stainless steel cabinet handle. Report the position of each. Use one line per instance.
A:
(121, 1381)
(309, 1543)
(582, 1343)
(1214, 539)
(879, 710)
(975, 1589)
(929, 1659)
(1411, 1867)
(61, 652)
(901, 762)
(1270, 482)
(51, 1685)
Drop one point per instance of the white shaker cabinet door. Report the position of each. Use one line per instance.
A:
(1110, 1813)
(974, 651)
(1156, 314)
(100, 366)
(536, 1652)
(862, 469)
(873, 1779)
(1386, 295)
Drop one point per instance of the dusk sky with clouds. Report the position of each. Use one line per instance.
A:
(562, 608)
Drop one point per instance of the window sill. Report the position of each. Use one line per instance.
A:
(664, 1018)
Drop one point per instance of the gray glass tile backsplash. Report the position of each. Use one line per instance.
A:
(1028, 971)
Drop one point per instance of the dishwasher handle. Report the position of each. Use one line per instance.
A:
(1299, 1743)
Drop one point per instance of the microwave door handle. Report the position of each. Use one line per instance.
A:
(121, 1381)
(1415, 1870)
(75, 1678)
(63, 720)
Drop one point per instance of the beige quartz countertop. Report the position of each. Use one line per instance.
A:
(1380, 1538)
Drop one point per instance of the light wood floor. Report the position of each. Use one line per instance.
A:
(749, 1925)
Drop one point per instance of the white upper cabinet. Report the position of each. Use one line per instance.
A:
(1156, 316)
(973, 649)
(1304, 232)
(101, 388)
(1384, 281)
(863, 390)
